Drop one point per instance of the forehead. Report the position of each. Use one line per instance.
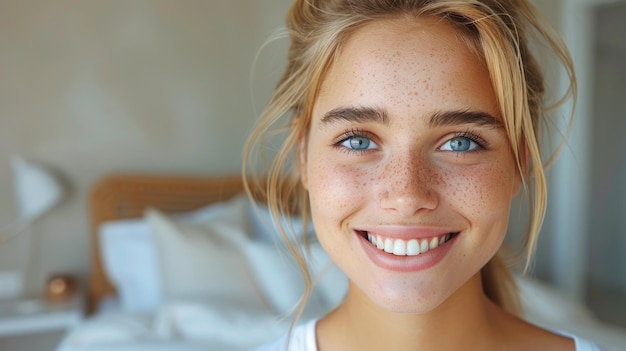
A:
(404, 65)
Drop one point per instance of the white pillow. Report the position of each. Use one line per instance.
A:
(280, 280)
(331, 283)
(265, 229)
(202, 260)
(129, 260)
(276, 275)
(129, 254)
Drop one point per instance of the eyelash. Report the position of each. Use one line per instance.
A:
(352, 133)
(473, 136)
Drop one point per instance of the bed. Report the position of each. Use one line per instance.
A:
(187, 263)
(175, 266)
(128, 196)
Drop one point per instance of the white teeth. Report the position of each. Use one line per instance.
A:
(412, 247)
(380, 243)
(434, 242)
(388, 245)
(399, 247)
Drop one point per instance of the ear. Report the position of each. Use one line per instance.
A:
(302, 163)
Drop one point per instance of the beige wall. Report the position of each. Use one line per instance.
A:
(94, 87)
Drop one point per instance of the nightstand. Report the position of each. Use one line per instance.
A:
(35, 324)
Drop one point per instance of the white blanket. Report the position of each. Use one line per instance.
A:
(181, 325)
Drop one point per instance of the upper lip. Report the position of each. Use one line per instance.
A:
(406, 232)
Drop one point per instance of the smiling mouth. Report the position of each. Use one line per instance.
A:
(412, 247)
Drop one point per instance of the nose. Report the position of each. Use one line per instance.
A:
(408, 185)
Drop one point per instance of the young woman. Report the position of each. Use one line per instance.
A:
(412, 125)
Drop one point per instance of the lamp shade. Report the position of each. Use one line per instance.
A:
(36, 189)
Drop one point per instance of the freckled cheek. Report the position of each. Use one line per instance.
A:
(335, 188)
(480, 192)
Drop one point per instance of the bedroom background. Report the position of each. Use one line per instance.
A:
(155, 86)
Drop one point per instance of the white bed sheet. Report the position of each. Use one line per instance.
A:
(179, 325)
(158, 345)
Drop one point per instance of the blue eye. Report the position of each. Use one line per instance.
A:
(359, 143)
(460, 144)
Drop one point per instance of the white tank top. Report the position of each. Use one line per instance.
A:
(303, 339)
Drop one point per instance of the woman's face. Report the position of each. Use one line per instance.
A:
(408, 168)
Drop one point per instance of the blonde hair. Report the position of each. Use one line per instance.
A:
(496, 31)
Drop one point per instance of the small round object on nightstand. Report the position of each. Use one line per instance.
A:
(60, 287)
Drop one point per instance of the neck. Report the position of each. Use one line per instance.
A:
(461, 322)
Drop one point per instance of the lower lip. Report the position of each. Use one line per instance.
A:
(406, 263)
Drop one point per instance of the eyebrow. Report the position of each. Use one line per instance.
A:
(356, 114)
(363, 114)
(449, 118)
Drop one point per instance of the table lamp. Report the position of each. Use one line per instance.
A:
(37, 191)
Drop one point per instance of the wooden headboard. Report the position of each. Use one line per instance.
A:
(127, 196)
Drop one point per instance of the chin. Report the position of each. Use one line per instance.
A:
(420, 296)
(402, 298)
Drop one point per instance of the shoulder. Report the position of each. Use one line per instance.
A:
(302, 338)
(584, 345)
(520, 334)
(580, 344)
